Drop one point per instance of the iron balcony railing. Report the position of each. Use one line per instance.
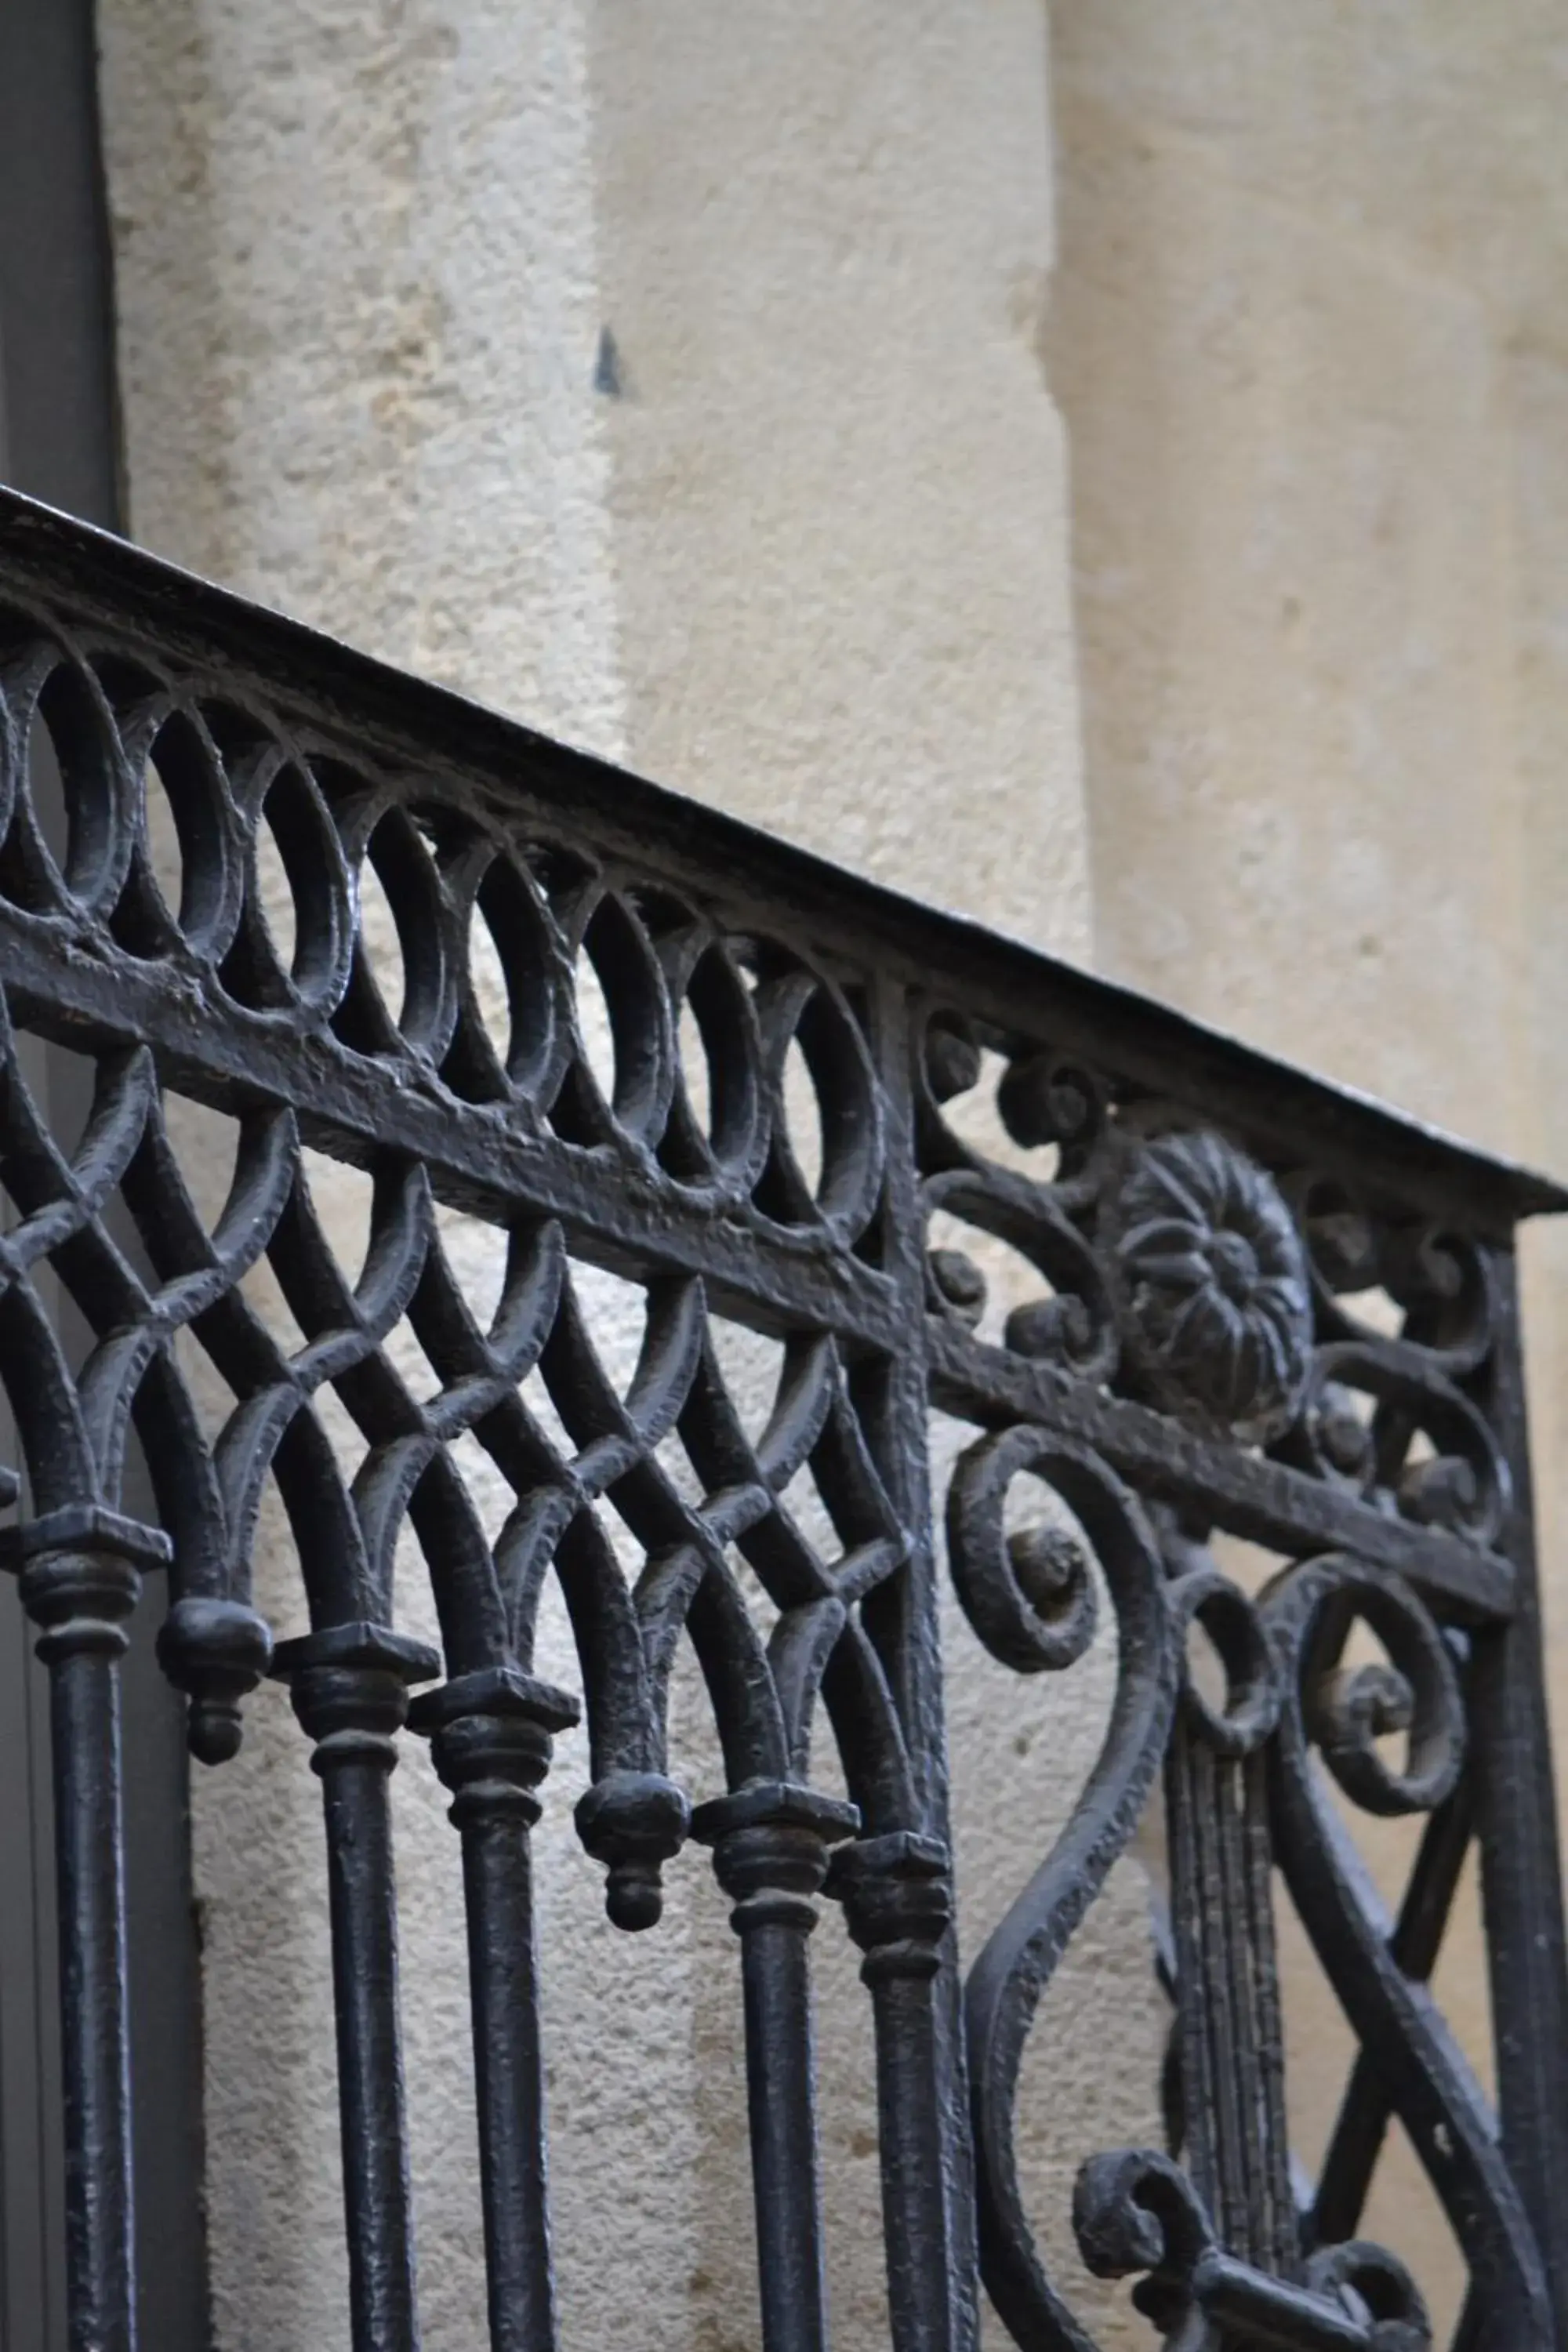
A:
(776, 1132)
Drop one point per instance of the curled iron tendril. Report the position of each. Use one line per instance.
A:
(1367, 1402)
(1204, 1597)
(1041, 1099)
(1030, 1594)
(1439, 1279)
(1135, 2211)
(1070, 1327)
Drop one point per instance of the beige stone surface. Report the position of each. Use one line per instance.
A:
(837, 476)
(355, 252)
(1298, 714)
(1431, 132)
(808, 562)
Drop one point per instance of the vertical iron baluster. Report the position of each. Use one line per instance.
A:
(1522, 1884)
(770, 1847)
(903, 1617)
(1213, 2152)
(897, 1903)
(489, 1737)
(79, 1582)
(1281, 2226)
(1229, 2023)
(350, 1689)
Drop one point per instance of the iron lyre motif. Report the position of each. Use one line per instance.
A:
(1180, 1358)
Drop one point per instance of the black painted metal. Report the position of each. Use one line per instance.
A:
(1151, 1302)
(79, 1602)
(491, 1734)
(350, 1689)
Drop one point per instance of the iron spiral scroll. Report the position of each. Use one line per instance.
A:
(1224, 1312)
(569, 1033)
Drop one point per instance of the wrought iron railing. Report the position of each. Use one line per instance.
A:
(775, 1131)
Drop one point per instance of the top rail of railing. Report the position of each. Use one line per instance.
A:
(90, 579)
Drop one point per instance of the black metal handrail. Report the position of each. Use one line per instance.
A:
(776, 1130)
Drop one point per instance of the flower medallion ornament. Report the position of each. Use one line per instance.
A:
(1210, 1283)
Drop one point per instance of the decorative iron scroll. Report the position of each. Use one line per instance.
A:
(631, 1034)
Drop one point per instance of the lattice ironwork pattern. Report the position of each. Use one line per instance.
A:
(630, 1035)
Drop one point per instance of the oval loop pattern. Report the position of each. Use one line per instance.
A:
(459, 1166)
